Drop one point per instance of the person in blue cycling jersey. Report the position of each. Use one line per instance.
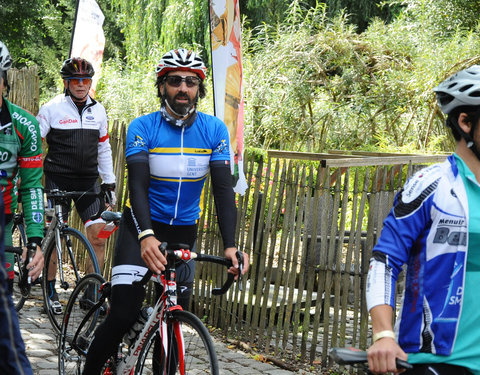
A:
(13, 359)
(434, 228)
(169, 154)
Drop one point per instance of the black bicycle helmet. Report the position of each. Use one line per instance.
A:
(181, 59)
(77, 67)
(460, 89)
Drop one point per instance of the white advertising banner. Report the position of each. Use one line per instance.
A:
(88, 40)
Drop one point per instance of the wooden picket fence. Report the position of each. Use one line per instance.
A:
(24, 88)
(308, 223)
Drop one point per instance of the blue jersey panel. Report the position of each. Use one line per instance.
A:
(179, 162)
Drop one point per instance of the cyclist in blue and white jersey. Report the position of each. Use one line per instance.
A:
(434, 228)
(169, 155)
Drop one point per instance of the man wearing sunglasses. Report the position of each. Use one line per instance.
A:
(169, 155)
(76, 131)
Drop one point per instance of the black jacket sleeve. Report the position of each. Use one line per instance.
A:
(138, 184)
(224, 201)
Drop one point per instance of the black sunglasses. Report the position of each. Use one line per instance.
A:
(176, 81)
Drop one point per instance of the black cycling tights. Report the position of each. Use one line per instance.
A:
(437, 369)
(121, 317)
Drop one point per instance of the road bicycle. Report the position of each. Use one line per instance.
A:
(169, 341)
(67, 252)
(358, 358)
(73, 245)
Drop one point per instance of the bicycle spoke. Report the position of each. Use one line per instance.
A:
(76, 261)
(198, 353)
(78, 329)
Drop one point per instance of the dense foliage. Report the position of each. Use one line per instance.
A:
(339, 89)
(338, 74)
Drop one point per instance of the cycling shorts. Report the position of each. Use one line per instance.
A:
(128, 265)
(86, 206)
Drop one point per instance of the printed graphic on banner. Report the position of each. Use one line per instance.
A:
(88, 40)
(227, 78)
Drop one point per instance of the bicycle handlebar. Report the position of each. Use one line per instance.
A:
(25, 282)
(352, 356)
(102, 195)
(181, 252)
(13, 249)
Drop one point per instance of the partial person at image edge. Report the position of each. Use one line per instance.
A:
(434, 228)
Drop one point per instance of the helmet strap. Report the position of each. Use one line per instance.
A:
(180, 116)
(5, 82)
(468, 137)
(74, 98)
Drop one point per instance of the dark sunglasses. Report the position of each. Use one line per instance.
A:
(176, 81)
(77, 81)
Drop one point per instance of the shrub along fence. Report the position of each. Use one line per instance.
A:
(308, 222)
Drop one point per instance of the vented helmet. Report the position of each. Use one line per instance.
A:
(76, 67)
(461, 89)
(181, 59)
(5, 58)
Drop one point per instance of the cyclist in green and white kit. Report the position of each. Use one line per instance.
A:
(20, 163)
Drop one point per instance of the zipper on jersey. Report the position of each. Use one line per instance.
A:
(180, 179)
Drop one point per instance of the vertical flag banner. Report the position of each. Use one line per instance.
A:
(88, 40)
(227, 78)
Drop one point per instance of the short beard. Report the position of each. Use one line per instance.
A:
(180, 109)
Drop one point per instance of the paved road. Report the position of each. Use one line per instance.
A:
(42, 347)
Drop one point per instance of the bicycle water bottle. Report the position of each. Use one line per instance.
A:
(132, 335)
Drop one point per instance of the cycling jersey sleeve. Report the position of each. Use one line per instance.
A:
(30, 167)
(105, 163)
(138, 183)
(43, 121)
(224, 201)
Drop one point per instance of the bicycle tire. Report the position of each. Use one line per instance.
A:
(72, 355)
(200, 356)
(19, 239)
(74, 266)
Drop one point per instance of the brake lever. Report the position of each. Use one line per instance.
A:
(25, 282)
(240, 269)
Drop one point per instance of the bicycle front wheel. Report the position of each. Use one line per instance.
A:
(184, 330)
(60, 276)
(77, 330)
(19, 239)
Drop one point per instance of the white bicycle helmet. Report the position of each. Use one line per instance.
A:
(460, 89)
(181, 59)
(5, 59)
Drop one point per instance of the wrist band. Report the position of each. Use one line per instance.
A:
(380, 335)
(145, 233)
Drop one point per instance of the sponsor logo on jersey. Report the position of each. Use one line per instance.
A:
(221, 147)
(31, 128)
(31, 162)
(37, 217)
(138, 142)
(67, 120)
(90, 118)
